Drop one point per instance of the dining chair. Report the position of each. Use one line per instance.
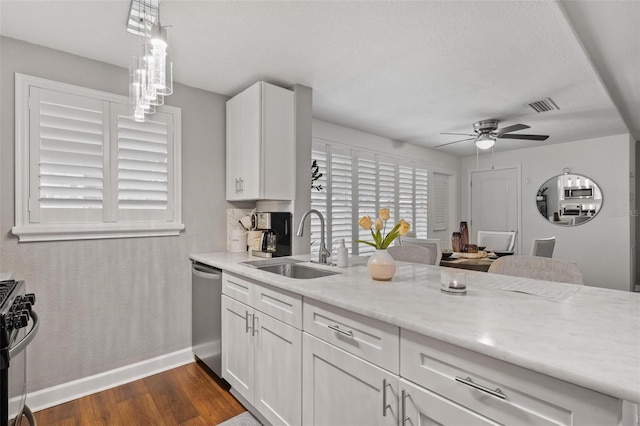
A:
(543, 247)
(497, 240)
(432, 244)
(540, 268)
(414, 254)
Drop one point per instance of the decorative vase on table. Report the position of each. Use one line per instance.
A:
(381, 266)
(464, 235)
(456, 242)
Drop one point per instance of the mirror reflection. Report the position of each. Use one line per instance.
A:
(569, 199)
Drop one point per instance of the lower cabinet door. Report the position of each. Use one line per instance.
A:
(420, 407)
(238, 347)
(342, 389)
(278, 386)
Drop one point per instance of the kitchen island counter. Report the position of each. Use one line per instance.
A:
(590, 338)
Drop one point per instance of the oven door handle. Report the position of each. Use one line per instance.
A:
(27, 338)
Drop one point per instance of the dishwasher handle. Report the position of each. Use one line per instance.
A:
(205, 271)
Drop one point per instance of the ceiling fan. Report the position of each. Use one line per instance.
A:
(486, 133)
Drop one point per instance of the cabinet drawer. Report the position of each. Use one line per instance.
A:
(368, 338)
(280, 304)
(237, 288)
(498, 390)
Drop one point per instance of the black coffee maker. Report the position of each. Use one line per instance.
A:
(276, 238)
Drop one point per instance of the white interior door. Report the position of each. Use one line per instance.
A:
(495, 202)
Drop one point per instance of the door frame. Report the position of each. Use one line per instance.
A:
(518, 168)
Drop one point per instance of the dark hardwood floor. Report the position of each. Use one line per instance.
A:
(186, 395)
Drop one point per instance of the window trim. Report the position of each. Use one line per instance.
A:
(27, 231)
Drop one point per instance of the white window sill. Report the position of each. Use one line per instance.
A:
(76, 231)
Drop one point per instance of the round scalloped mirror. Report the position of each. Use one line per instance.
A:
(569, 199)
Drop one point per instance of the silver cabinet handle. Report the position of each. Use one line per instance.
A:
(246, 321)
(384, 397)
(237, 185)
(403, 409)
(339, 330)
(253, 325)
(241, 185)
(497, 392)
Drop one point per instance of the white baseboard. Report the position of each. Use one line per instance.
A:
(65, 392)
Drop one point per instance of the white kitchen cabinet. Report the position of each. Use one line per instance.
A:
(370, 339)
(238, 347)
(421, 407)
(490, 390)
(278, 371)
(342, 389)
(261, 144)
(262, 355)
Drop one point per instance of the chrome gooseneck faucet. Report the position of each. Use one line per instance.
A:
(324, 253)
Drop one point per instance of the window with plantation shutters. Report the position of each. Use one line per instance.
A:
(67, 161)
(358, 184)
(84, 169)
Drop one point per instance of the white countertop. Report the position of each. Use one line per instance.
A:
(592, 338)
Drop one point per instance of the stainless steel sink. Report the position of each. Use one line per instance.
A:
(294, 270)
(289, 268)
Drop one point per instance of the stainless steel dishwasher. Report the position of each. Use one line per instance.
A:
(206, 316)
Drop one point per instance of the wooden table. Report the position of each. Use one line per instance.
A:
(471, 264)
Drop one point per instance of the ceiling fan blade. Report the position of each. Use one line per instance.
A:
(529, 137)
(461, 134)
(513, 128)
(450, 143)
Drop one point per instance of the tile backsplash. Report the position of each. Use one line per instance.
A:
(233, 221)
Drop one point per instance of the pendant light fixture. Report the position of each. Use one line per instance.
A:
(151, 74)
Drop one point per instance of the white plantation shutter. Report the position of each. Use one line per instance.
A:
(67, 142)
(367, 196)
(387, 192)
(341, 222)
(359, 184)
(318, 198)
(143, 169)
(440, 202)
(406, 194)
(85, 170)
(420, 224)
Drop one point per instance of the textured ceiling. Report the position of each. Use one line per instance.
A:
(404, 70)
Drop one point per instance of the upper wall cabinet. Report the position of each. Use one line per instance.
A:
(260, 144)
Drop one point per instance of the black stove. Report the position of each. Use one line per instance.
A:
(16, 314)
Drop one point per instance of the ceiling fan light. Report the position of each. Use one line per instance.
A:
(485, 141)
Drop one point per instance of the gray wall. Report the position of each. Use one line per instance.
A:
(601, 247)
(110, 303)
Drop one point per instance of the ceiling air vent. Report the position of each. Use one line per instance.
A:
(544, 105)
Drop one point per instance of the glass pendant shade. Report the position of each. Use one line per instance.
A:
(151, 75)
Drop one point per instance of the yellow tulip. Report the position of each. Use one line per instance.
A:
(404, 227)
(384, 213)
(365, 222)
(378, 224)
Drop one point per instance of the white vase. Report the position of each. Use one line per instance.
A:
(381, 266)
